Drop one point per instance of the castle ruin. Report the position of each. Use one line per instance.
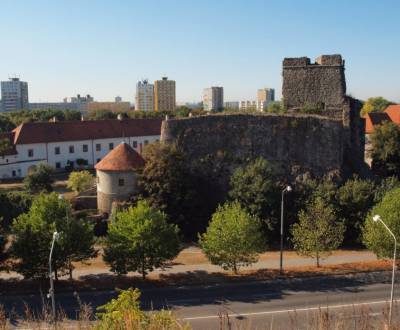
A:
(330, 143)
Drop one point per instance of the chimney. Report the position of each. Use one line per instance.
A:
(82, 118)
(166, 117)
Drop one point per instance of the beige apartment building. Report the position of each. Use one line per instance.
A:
(264, 97)
(164, 95)
(144, 96)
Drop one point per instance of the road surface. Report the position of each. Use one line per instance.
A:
(256, 304)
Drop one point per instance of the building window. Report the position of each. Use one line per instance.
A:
(57, 150)
(98, 159)
(146, 142)
(14, 173)
(30, 152)
(98, 147)
(121, 182)
(111, 146)
(134, 144)
(85, 148)
(71, 149)
(58, 165)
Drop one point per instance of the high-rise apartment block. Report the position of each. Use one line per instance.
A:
(264, 97)
(213, 99)
(164, 95)
(14, 95)
(144, 96)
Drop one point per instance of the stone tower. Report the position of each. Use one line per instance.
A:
(116, 176)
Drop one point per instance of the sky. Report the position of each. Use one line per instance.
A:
(63, 48)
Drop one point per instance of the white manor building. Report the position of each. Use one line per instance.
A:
(60, 144)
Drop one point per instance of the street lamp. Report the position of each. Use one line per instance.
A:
(51, 290)
(377, 218)
(287, 189)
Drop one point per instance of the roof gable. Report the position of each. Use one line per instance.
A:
(122, 158)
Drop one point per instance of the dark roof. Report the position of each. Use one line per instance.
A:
(10, 137)
(122, 158)
(375, 118)
(84, 130)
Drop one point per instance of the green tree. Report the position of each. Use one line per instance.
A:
(102, 114)
(3, 241)
(233, 238)
(375, 236)
(384, 186)
(80, 181)
(140, 239)
(12, 204)
(318, 232)
(6, 125)
(5, 145)
(124, 313)
(276, 107)
(170, 187)
(254, 187)
(33, 233)
(385, 152)
(374, 104)
(72, 115)
(355, 199)
(39, 179)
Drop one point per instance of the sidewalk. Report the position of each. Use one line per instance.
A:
(192, 259)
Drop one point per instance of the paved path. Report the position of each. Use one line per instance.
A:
(268, 260)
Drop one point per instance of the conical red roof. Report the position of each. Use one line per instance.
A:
(121, 158)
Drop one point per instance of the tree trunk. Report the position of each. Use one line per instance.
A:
(235, 268)
(143, 271)
(318, 259)
(70, 269)
(55, 272)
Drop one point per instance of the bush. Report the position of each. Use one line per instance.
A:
(80, 181)
(39, 180)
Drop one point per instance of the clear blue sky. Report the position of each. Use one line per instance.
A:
(104, 47)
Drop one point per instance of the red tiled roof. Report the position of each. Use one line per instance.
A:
(122, 158)
(10, 137)
(373, 119)
(44, 132)
(393, 112)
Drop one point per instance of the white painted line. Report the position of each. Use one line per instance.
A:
(290, 310)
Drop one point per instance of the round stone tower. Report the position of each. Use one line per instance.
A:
(116, 176)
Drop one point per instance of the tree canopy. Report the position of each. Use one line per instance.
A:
(374, 104)
(39, 179)
(80, 181)
(233, 238)
(140, 239)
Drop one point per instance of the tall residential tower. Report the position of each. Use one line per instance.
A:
(213, 99)
(14, 95)
(144, 96)
(164, 95)
(264, 97)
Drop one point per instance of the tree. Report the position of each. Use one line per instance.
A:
(276, 107)
(375, 236)
(124, 313)
(3, 241)
(374, 104)
(80, 181)
(140, 239)
(385, 152)
(33, 233)
(233, 238)
(317, 233)
(12, 204)
(355, 199)
(72, 115)
(6, 125)
(170, 187)
(253, 186)
(39, 179)
(5, 145)
(385, 185)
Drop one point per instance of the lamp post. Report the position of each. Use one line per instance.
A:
(287, 189)
(377, 218)
(51, 290)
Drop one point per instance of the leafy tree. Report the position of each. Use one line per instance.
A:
(276, 107)
(374, 104)
(125, 313)
(375, 236)
(182, 111)
(102, 114)
(6, 125)
(3, 241)
(80, 181)
(233, 238)
(140, 239)
(33, 233)
(317, 233)
(253, 186)
(72, 115)
(386, 149)
(12, 204)
(385, 185)
(5, 145)
(170, 187)
(39, 179)
(355, 199)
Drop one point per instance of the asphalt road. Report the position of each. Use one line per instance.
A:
(259, 304)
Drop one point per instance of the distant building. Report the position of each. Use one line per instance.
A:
(14, 95)
(213, 99)
(264, 97)
(247, 105)
(116, 176)
(231, 105)
(109, 106)
(56, 106)
(164, 95)
(81, 99)
(144, 96)
(118, 99)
